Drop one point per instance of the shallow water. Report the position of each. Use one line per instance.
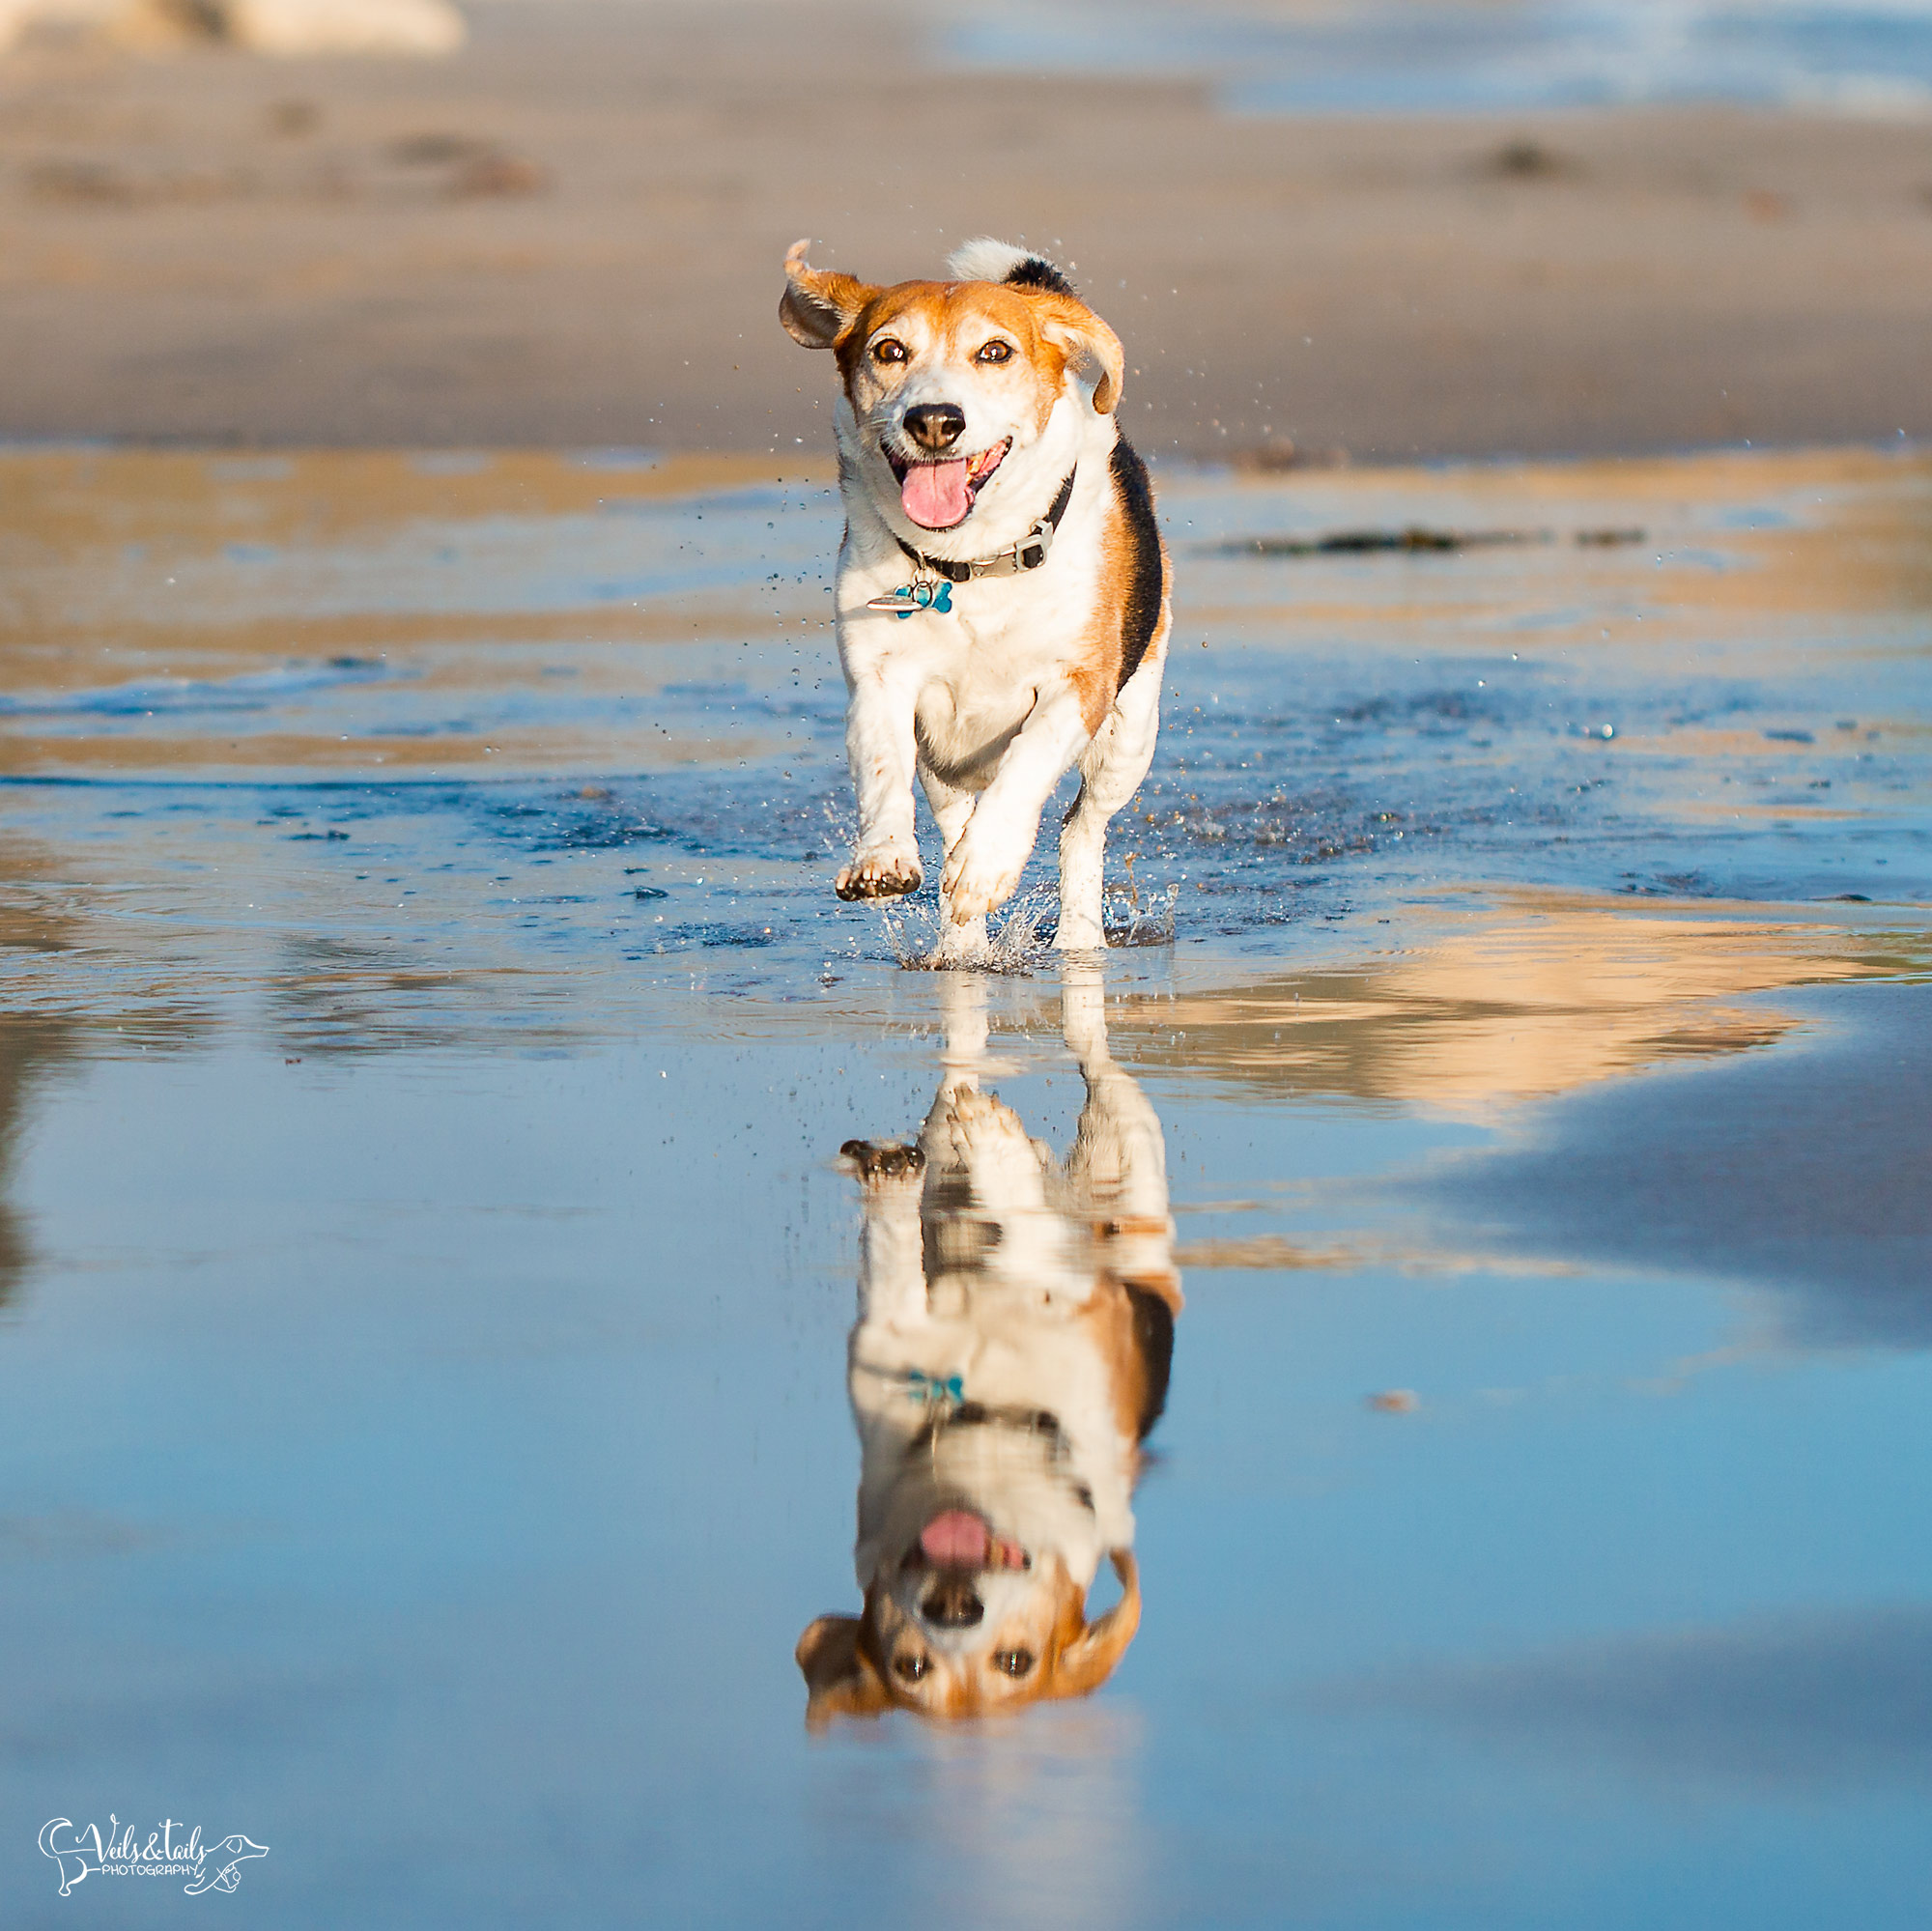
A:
(1861, 57)
(426, 1267)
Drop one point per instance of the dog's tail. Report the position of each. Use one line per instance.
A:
(986, 260)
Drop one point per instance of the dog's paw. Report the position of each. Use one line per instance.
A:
(888, 871)
(962, 942)
(983, 871)
(976, 1121)
(986, 1140)
(881, 1159)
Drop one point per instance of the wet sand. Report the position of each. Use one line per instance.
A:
(569, 235)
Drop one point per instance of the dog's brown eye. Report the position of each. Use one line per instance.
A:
(889, 351)
(1015, 1661)
(910, 1668)
(996, 352)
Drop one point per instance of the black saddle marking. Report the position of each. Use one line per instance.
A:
(1141, 616)
(1153, 1335)
(1035, 271)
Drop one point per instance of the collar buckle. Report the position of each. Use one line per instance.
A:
(1035, 547)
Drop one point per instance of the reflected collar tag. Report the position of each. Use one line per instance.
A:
(927, 1388)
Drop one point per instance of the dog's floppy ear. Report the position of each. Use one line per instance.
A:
(838, 1675)
(1088, 1662)
(818, 307)
(1092, 348)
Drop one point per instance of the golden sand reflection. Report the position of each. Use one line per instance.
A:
(63, 652)
(1764, 540)
(1490, 1008)
(215, 756)
(1717, 807)
(436, 578)
(64, 504)
(43, 923)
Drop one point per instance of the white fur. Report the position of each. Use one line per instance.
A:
(986, 260)
(980, 704)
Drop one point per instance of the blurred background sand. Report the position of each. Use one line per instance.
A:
(1320, 230)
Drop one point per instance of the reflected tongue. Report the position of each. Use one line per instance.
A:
(934, 493)
(955, 1540)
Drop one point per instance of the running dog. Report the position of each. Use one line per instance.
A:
(1003, 590)
(1014, 1336)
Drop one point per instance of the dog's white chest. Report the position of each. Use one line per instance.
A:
(975, 690)
(978, 668)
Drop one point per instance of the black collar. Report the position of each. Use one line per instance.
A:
(1027, 553)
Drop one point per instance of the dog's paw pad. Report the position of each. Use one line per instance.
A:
(880, 875)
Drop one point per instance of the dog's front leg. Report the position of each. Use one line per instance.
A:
(952, 812)
(880, 750)
(891, 1265)
(984, 866)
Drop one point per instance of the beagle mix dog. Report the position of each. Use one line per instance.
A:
(1003, 590)
(1012, 1352)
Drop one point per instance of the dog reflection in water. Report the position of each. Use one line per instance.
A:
(1015, 1328)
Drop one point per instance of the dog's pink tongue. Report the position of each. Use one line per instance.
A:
(955, 1540)
(934, 493)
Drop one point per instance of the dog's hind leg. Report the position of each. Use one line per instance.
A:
(1110, 769)
(1118, 1166)
(952, 810)
(1083, 859)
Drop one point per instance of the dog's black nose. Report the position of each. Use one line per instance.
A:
(953, 1603)
(935, 425)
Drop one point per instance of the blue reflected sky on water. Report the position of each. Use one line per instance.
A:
(422, 1353)
(1411, 56)
(428, 1464)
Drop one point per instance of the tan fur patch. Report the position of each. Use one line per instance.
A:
(1108, 1318)
(1109, 1315)
(1051, 331)
(949, 311)
(1096, 673)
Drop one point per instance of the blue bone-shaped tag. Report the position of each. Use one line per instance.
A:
(909, 599)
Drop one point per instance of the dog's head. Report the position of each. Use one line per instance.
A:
(965, 398)
(969, 1637)
(983, 1521)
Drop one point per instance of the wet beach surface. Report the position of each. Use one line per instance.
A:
(426, 1265)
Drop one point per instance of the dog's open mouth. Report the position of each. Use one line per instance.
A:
(938, 496)
(959, 1539)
